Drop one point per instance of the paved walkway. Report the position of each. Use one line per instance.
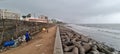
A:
(43, 43)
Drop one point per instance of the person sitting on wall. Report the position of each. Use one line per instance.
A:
(43, 29)
(27, 36)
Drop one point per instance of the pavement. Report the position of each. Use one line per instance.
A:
(42, 43)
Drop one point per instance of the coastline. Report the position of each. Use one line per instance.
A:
(89, 44)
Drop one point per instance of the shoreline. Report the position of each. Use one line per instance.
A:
(97, 46)
(109, 39)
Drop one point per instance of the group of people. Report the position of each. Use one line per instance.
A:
(18, 41)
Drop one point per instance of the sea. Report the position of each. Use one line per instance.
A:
(107, 33)
(105, 26)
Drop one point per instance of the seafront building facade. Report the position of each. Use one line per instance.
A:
(6, 14)
(42, 19)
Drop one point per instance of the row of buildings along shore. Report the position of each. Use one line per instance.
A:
(7, 14)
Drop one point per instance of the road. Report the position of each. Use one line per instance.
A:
(109, 37)
(42, 43)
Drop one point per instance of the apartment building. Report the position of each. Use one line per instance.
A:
(6, 14)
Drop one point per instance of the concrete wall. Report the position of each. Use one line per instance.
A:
(58, 45)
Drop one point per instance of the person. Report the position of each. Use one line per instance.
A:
(23, 38)
(47, 30)
(27, 36)
(43, 29)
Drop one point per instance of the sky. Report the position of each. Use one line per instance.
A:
(70, 11)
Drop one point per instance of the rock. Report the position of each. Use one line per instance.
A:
(94, 50)
(81, 49)
(67, 48)
(102, 49)
(68, 53)
(86, 46)
(84, 39)
(74, 43)
(102, 53)
(75, 50)
(115, 52)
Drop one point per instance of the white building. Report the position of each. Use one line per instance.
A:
(6, 14)
(42, 19)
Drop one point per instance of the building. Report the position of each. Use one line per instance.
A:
(31, 19)
(42, 18)
(6, 14)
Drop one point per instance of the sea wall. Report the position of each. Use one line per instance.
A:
(74, 43)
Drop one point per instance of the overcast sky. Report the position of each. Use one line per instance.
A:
(71, 11)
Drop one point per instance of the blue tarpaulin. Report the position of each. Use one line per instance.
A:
(9, 43)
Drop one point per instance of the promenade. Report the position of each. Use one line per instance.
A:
(42, 43)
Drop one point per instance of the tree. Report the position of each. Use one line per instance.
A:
(24, 16)
(28, 16)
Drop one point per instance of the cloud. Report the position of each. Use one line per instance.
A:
(75, 11)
